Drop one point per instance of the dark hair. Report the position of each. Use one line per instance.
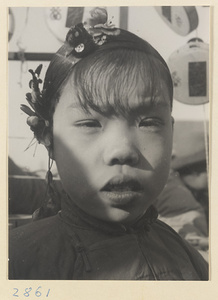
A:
(106, 78)
(104, 67)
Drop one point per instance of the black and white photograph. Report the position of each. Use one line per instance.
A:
(119, 188)
(108, 146)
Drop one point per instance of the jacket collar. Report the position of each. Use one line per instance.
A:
(74, 216)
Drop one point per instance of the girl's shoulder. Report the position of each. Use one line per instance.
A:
(35, 249)
(167, 236)
(36, 230)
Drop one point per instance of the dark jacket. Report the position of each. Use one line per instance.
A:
(72, 245)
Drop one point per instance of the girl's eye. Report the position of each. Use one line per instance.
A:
(88, 124)
(150, 123)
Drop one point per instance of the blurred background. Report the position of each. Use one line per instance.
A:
(181, 34)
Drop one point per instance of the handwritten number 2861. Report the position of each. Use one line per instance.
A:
(29, 291)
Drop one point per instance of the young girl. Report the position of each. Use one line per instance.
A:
(104, 115)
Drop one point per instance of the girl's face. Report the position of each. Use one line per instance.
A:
(113, 166)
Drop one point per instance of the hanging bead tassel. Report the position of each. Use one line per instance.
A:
(51, 202)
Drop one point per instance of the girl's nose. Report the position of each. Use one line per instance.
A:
(121, 152)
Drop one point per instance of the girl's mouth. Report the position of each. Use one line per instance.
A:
(122, 190)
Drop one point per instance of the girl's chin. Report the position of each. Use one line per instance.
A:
(120, 216)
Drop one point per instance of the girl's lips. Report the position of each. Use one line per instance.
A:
(121, 190)
(120, 198)
(122, 184)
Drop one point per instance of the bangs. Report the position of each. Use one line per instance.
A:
(106, 81)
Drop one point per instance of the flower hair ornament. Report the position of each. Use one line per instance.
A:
(37, 119)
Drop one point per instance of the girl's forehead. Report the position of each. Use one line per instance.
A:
(117, 81)
(146, 96)
(137, 99)
(117, 92)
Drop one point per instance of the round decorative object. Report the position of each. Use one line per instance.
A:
(11, 24)
(181, 19)
(80, 48)
(189, 68)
